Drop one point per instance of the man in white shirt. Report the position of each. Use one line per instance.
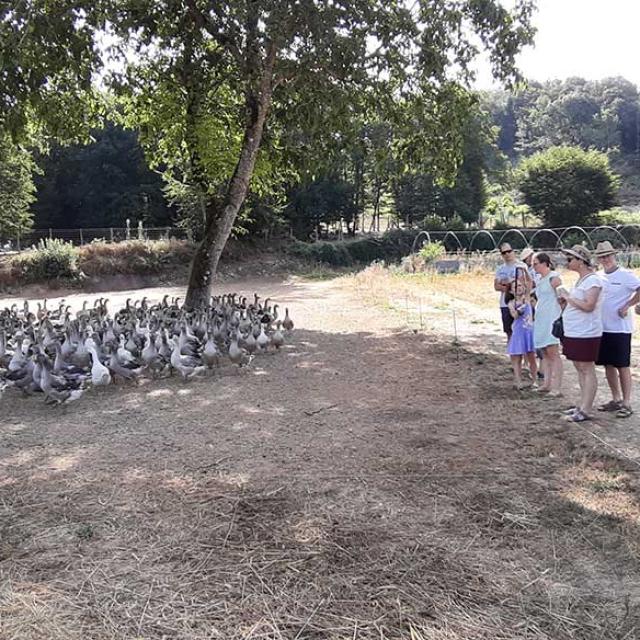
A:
(507, 273)
(621, 292)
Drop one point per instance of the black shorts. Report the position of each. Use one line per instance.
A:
(507, 319)
(615, 350)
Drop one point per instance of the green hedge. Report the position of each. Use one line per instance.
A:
(392, 246)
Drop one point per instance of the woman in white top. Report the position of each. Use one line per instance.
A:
(582, 319)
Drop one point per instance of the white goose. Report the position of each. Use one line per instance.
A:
(100, 376)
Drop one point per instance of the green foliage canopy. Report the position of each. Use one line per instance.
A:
(218, 88)
(16, 189)
(567, 186)
(601, 114)
(99, 185)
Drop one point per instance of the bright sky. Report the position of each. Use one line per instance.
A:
(593, 39)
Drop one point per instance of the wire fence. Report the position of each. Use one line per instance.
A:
(471, 240)
(81, 237)
(483, 240)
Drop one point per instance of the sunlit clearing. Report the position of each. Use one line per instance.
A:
(602, 491)
(157, 393)
(20, 458)
(63, 463)
(234, 479)
(309, 531)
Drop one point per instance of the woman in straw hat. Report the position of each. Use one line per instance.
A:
(582, 319)
(620, 294)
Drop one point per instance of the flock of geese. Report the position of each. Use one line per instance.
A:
(61, 354)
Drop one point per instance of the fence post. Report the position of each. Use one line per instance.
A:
(18, 243)
(50, 234)
(111, 233)
(81, 238)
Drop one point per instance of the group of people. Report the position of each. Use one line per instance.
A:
(595, 326)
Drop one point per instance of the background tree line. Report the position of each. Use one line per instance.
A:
(109, 180)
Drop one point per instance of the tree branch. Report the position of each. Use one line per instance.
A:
(204, 21)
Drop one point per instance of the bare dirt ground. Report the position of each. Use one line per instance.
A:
(374, 480)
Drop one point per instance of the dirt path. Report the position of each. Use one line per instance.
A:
(477, 327)
(368, 482)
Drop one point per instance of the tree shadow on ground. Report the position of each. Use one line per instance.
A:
(353, 485)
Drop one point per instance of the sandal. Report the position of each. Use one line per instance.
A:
(624, 412)
(578, 416)
(612, 405)
(570, 411)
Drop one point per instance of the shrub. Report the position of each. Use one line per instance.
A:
(134, 257)
(566, 185)
(50, 259)
(433, 223)
(431, 251)
(618, 216)
(366, 250)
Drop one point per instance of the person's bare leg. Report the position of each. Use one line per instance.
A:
(516, 363)
(545, 369)
(580, 381)
(613, 380)
(533, 365)
(554, 369)
(626, 384)
(558, 369)
(589, 387)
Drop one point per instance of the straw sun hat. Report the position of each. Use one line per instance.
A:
(580, 252)
(604, 249)
(526, 252)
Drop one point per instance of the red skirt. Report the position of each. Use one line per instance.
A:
(581, 349)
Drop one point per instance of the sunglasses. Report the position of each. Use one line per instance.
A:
(504, 253)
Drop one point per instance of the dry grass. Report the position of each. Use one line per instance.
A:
(134, 257)
(368, 483)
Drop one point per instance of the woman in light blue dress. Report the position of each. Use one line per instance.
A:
(547, 310)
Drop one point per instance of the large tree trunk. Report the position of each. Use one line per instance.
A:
(220, 221)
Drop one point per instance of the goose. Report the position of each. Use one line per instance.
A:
(263, 340)
(187, 366)
(67, 346)
(18, 360)
(22, 379)
(118, 369)
(61, 366)
(100, 376)
(42, 310)
(124, 356)
(277, 339)
(4, 356)
(61, 349)
(210, 354)
(81, 357)
(287, 323)
(131, 345)
(236, 354)
(250, 343)
(55, 393)
(149, 352)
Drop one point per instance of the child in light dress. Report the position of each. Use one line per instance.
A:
(521, 341)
